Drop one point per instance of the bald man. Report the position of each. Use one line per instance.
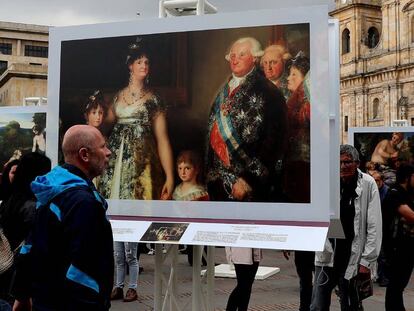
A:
(69, 255)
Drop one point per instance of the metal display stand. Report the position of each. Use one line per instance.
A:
(203, 286)
(185, 7)
(202, 296)
(202, 283)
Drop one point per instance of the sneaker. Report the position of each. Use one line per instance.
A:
(117, 293)
(151, 251)
(164, 251)
(131, 295)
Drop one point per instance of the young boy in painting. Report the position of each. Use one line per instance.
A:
(95, 110)
(190, 188)
(188, 169)
(39, 142)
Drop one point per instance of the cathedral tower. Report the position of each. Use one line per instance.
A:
(377, 62)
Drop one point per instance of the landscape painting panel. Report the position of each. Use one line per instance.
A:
(21, 133)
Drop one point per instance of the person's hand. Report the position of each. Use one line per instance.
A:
(241, 189)
(23, 305)
(363, 269)
(167, 190)
(286, 254)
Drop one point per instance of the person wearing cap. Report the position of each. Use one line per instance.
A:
(344, 262)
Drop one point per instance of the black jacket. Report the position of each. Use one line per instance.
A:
(67, 263)
(255, 114)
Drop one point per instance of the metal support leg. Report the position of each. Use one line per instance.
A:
(174, 286)
(200, 7)
(158, 277)
(210, 278)
(196, 295)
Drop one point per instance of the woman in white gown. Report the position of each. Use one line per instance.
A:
(141, 167)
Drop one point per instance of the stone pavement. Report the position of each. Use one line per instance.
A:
(278, 292)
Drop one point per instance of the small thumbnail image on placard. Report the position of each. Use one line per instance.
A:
(164, 232)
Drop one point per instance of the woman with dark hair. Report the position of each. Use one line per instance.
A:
(141, 166)
(17, 212)
(7, 177)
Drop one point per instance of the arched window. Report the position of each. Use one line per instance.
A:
(375, 108)
(373, 37)
(346, 41)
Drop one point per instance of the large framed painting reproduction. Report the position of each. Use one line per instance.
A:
(219, 119)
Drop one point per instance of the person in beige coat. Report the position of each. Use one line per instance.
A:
(246, 262)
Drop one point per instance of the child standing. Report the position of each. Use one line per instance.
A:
(95, 110)
(190, 188)
(189, 171)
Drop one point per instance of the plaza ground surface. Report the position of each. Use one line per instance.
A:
(278, 292)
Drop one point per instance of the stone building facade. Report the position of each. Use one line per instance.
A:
(23, 63)
(377, 62)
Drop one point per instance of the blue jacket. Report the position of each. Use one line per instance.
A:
(69, 255)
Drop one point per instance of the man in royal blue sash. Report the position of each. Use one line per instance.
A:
(247, 130)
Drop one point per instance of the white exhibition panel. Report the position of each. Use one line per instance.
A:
(334, 116)
(240, 235)
(322, 130)
(128, 231)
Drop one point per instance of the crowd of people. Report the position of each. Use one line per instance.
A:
(258, 144)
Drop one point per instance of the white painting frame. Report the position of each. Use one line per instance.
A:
(316, 213)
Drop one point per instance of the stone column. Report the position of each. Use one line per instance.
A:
(19, 48)
(359, 108)
(393, 102)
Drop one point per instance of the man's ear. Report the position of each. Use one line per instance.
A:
(358, 163)
(84, 154)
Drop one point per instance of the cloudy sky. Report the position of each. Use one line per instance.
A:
(25, 119)
(76, 12)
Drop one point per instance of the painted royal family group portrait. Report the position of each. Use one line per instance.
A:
(218, 115)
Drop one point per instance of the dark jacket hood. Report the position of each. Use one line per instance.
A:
(59, 179)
